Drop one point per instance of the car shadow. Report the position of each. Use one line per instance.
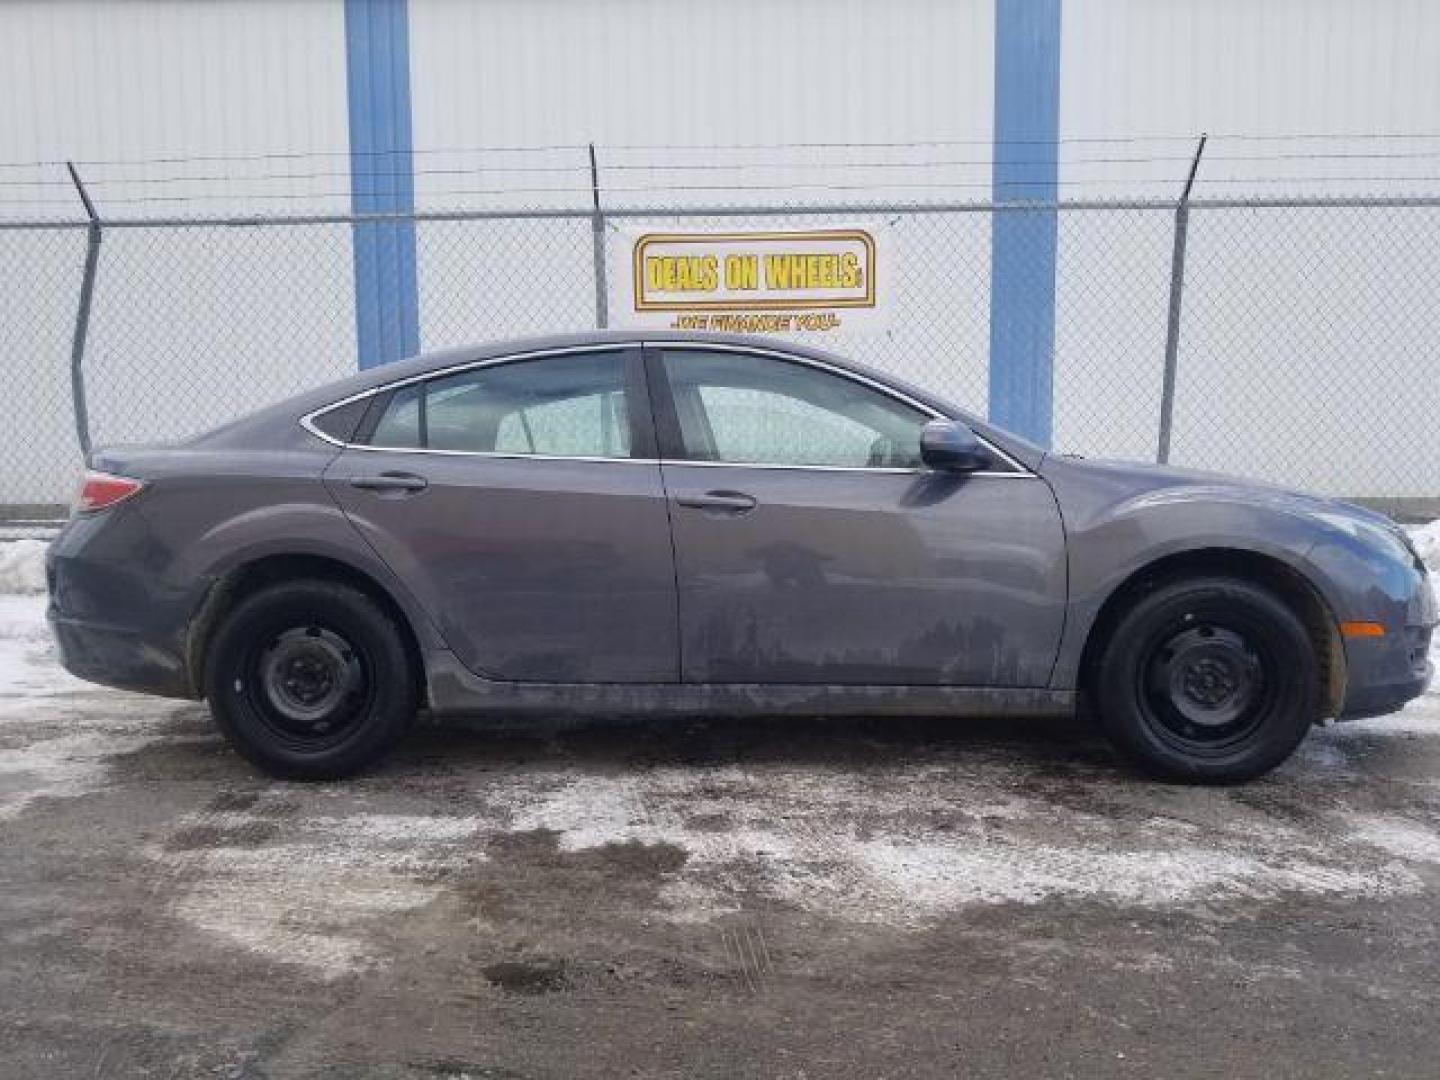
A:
(1040, 744)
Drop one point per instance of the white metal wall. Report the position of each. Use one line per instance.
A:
(689, 72)
(127, 80)
(1282, 307)
(254, 91)
(1278, 67)
(676, 95)
(232, 87)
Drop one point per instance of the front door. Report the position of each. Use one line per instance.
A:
(812, 546)
(521, 503)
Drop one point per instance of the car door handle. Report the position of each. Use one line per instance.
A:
(390, 481)
(734, 502)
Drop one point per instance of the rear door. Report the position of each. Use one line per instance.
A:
(522, 503)
(812, 546)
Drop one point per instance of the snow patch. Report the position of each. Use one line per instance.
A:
(29, 667)
(61, 744)
(65, 766)
(403, 829)
(311, 896)
(1426, 539)
(22, 566)
(926, 880)
(299, 912)
(812, 852)
(1407, 840)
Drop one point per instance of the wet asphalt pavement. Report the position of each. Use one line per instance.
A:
(783, 900)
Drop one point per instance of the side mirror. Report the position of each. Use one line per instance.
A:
(951, 446)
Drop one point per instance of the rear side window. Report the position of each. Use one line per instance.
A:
(399, 424)
(568, 405)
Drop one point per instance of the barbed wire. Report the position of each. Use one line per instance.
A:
(540, 148)
(1045, 171)
(584, 192)
(675, 179)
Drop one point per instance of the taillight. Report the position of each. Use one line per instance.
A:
(100, 491)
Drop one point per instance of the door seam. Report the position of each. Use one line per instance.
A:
(646, 358)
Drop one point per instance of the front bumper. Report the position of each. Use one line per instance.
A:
(1383, 673)
(1365, 701)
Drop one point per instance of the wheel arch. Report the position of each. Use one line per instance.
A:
(1293, 587)
(260, 571)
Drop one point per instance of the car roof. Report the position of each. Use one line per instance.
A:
(440, 359)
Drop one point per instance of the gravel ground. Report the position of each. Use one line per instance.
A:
(783, 900)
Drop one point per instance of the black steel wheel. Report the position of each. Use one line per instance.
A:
(310, 680)
(1208, 680)
(309, 686)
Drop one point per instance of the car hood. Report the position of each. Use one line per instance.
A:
(1138, 480)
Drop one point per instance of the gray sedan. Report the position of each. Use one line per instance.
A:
(663, 525)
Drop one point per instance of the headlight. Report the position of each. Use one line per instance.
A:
(1389, 540)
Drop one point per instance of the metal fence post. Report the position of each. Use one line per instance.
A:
(82, 315)
(1177, 292)
(597, 232)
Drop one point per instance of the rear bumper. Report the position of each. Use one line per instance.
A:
(113, 622)
(114, 656)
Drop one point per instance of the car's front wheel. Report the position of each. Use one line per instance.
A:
(310, 679)
(1208, 680)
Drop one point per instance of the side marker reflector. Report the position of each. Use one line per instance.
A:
(1362, 629)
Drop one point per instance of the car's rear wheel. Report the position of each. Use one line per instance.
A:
(310, 680)
(1212, 680)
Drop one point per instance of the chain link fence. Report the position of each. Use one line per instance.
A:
(1302, 334)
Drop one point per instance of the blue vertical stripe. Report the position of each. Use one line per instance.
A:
(1022, 245)
(382, 178)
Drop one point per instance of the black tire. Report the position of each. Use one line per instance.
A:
(310, 680)
(1209, 680)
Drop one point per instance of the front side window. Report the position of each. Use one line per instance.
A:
(568, 405)
(746, 408)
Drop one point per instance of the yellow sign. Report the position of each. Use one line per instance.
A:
(754, 282)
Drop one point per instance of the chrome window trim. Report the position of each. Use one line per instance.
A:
(502, 454)
(308, 420)
(884, 469)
